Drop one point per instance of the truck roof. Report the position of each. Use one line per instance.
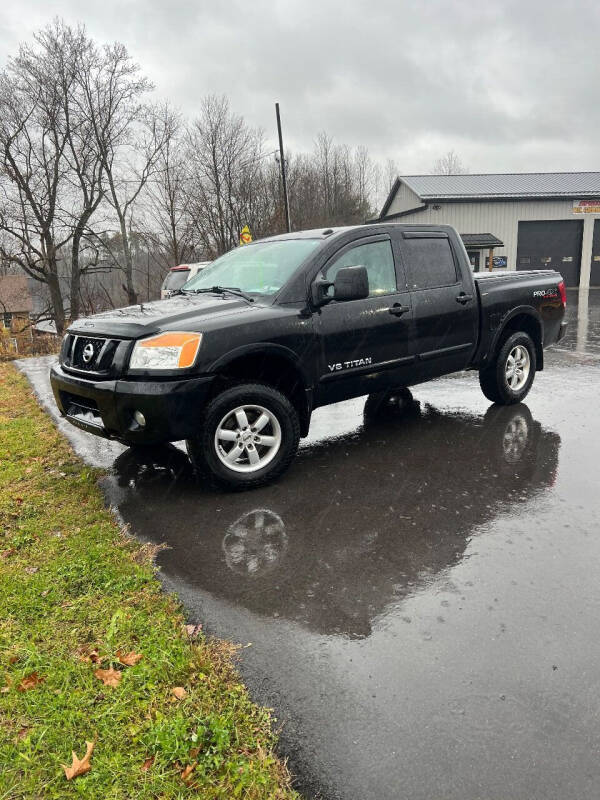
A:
(326, 233)
(314, 233)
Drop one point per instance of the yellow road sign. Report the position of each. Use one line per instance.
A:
(245, 235)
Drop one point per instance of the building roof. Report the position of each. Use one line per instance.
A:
(15, 296)
(509, 186)
(481, 240)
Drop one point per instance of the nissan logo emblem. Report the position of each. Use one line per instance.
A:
(88, 353)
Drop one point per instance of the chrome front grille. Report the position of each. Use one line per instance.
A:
(88, 354)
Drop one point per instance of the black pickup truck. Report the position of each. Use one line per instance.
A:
(237, 362)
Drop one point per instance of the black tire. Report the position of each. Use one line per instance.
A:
(493, 379)
(203, 451)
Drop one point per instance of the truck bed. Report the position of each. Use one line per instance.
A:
(503, 293)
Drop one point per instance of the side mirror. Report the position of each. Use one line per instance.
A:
(351, 283)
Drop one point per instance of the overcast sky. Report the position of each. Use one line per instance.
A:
(510, 86)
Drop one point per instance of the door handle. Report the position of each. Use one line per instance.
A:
(398, 309)
(464, 298)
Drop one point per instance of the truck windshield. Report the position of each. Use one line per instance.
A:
(260, 268)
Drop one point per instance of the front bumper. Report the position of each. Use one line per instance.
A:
(171, 408)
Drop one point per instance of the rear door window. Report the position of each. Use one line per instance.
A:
(429, 262)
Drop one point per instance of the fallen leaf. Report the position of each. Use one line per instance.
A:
(84, 653)
(29, 682)
(109, 677)
(22, 733)
(46, 592)
(193, 630)
(31, 570)
(179, 692)
(129, 659)
(188, 770)
(194, 752)
(147, 764)
(79, 766)
(13, 659)
(5, 689)
(7, 553)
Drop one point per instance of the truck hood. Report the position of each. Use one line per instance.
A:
(183, 312)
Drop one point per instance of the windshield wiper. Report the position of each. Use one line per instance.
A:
(223, 290)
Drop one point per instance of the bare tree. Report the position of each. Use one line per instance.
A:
(33, 141)
(225, 156)
(449, 164)
(365, 176)
(340, 199)
(128, 136)
(74, 54)
(169, 224)
(51, 176)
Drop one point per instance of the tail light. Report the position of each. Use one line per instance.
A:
(563, 293)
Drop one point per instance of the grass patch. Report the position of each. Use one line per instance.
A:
(74, 594)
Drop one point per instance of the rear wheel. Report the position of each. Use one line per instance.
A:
(508, 378)
(248, 436)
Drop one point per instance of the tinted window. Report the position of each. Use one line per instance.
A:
(176, 279)
(430, 263)
(377, 258)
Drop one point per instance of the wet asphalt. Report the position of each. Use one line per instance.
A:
(419, 596)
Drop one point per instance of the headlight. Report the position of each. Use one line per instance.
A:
(166, 351)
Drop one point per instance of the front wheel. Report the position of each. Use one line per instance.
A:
(509, 376)
(248, 436)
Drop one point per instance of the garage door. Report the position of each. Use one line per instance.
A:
(551, 244)
(595, 271)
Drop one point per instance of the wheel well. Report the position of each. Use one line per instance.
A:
(275, 370)
(527, 324)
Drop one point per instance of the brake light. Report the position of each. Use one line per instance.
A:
(563, 293)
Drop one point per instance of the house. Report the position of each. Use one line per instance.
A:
(16, 306)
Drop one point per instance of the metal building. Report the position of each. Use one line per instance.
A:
(519, 221)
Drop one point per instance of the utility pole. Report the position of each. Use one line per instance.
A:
(286, 204)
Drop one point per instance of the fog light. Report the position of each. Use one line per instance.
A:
(139, 418)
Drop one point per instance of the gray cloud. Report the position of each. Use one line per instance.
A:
(509, 85)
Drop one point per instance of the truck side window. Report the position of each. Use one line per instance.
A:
(377, 257)
(430, 263)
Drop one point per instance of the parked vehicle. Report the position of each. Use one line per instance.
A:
(177, 276)
(237, 362)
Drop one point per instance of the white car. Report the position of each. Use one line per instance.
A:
(179, 275)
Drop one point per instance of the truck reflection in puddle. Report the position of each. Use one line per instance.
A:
(360, 522)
